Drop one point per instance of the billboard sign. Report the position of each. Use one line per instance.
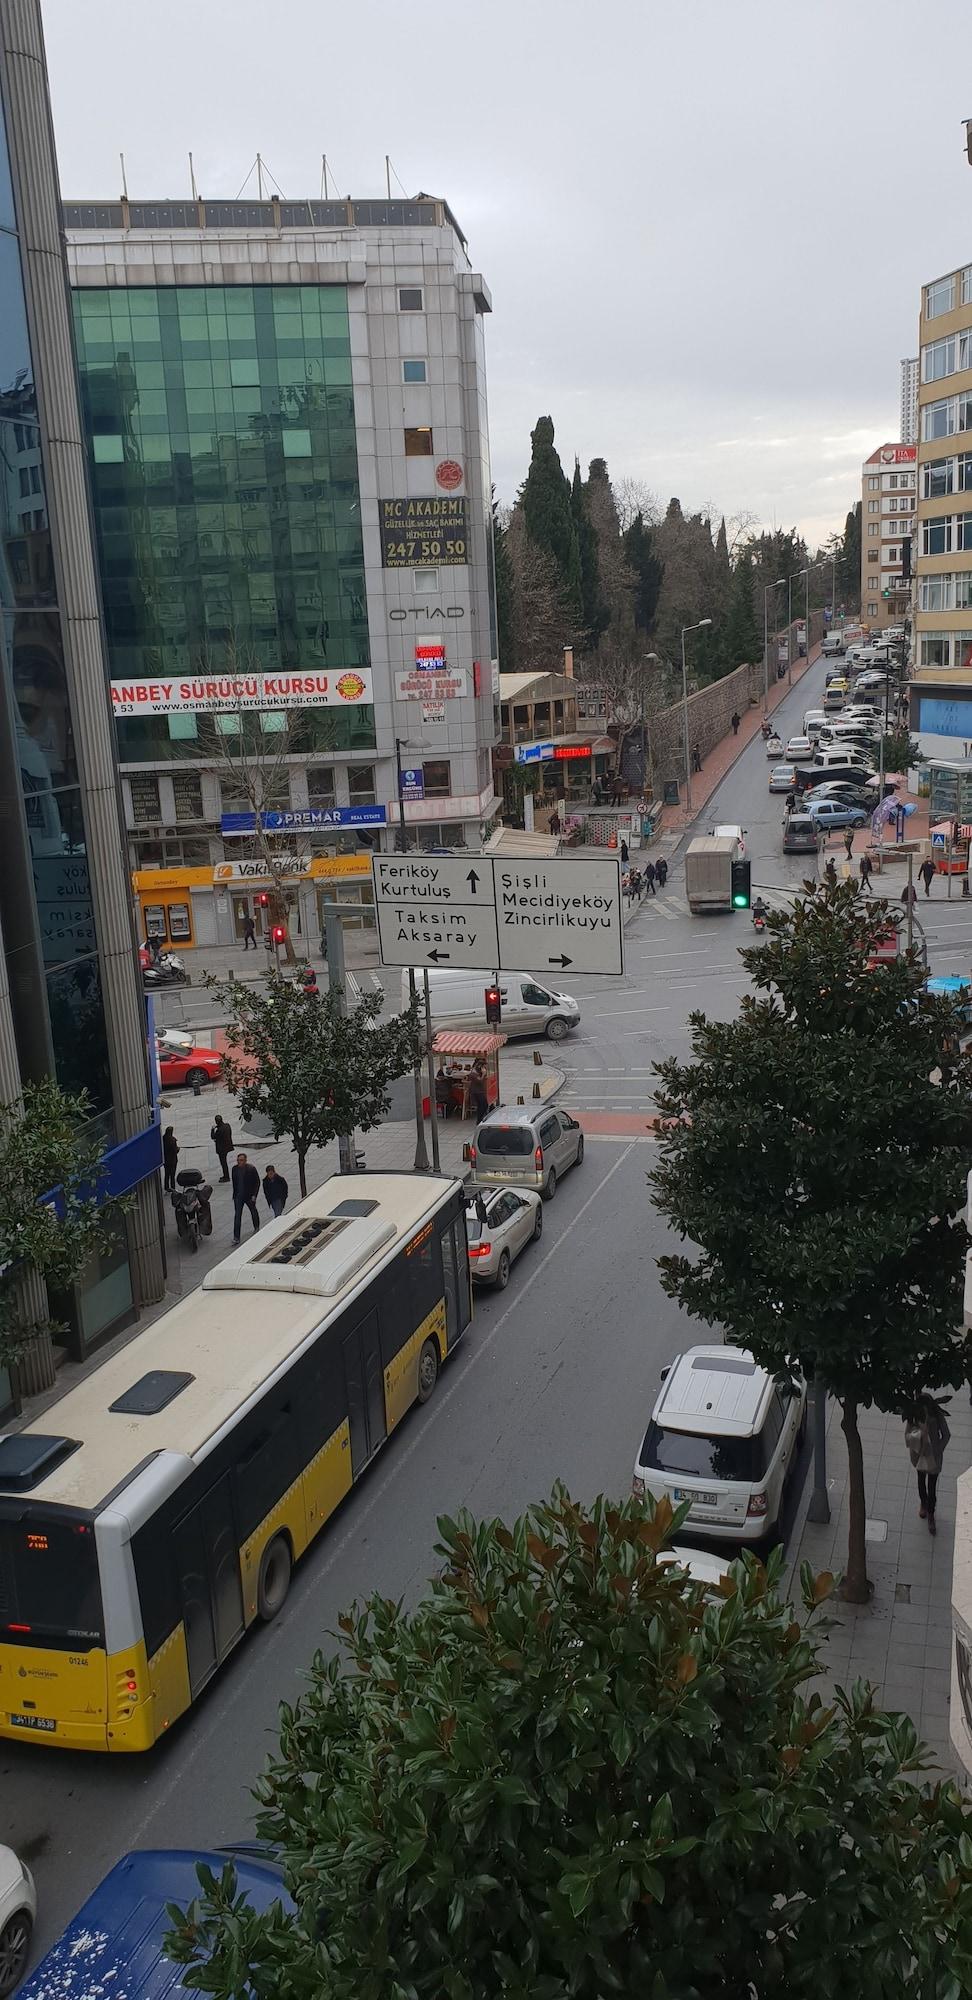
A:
(209, 694)
(417, 533)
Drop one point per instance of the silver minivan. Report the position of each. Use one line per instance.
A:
(526, 1145)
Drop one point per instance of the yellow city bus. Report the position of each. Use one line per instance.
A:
(156, 1510)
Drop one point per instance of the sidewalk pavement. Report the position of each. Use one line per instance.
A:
(902, 1640)
(675, 820)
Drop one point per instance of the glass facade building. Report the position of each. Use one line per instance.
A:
(221, 434)
(70, 1005)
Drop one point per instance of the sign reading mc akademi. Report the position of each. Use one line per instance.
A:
(473, 911)
(428, 533)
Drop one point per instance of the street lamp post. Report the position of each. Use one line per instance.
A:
(688, 761)
(766, 591)
(421, 1160)
(650, 660)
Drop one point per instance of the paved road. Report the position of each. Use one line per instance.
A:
(553, 1380)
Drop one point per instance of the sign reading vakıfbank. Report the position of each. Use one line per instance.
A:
(204, 694)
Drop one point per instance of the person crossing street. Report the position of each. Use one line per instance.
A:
(649, 877)
(926, 874)
(865, 872)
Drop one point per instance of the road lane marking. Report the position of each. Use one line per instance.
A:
(199, 1740)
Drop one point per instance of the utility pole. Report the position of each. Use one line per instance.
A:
(421, 1160)
(911, 900)
(334, 939)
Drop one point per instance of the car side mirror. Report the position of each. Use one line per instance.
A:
(664, 1374)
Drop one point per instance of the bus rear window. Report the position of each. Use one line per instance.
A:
(49, 1587)
(505, 1139)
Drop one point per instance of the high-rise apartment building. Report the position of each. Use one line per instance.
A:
(908, 431)
(286, 413)
(942, 685)
(887, 513)
(70, 1000)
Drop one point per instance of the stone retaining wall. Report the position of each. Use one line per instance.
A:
(710, 712)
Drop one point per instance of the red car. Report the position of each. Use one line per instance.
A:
(190, 1066)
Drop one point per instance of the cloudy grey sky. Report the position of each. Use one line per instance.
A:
(705, 223)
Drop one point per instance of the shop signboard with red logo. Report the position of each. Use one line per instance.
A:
(449, 474)
(206, 694)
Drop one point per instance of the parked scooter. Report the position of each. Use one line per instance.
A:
(190, 1202)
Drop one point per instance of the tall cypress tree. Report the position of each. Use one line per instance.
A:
(594, 610)
(503, 579)
(647, 570)
(741, 640)
(545, 499)
(849, 563)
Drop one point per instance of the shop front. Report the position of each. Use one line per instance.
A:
(189, 907)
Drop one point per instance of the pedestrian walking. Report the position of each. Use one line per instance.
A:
(661, 872)
(909, 895)
(634, 886)
(170, 1159)
(865, 871)
(696, 759)
(275, 1191)
(926, 1436)
(734, 720)
(222, 1138)
(625, 853)
(848, 841)
(553, 824)
(249, 933)
(791, 801)
(650, 873)
(246, 1187)
(927, 875)
(830, 872)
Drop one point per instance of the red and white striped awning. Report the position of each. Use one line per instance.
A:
(456, 1042)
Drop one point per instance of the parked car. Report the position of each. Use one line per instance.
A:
(531, 1145)
(18, 1908)
(801, 834)
(725, 1437)
(799, 746)
(189, 1066)
(500, 1222)
(782, 778)
(830, 813)
(843, 795)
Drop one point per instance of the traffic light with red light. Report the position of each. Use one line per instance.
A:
(279, 933)
(494, 1006)
(263, 899)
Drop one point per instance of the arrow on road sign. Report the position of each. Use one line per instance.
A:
(472, 878)
(564, 960)
(436, 955)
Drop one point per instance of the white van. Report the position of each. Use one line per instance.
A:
(814, 721)
(832, 645)
(530, 1007)
(834, 757)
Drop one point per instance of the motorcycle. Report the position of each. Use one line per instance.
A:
(759, 917)
(190, 1203)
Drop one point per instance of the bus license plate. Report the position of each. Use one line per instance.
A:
(45, 1722)
(697, 1499)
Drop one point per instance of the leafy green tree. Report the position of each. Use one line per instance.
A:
(639, 550)
(901, 750)
(314, 1072)
(503, 577)
(741, 640)
(594, 611)
(545, 503)
(54, 1215)
(820, 1170)
(570, 1771)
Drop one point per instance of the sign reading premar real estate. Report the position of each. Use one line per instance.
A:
(549, 917)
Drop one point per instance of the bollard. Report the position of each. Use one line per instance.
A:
(538, 1059)
(536, 1090)
(197, 1088)
(519, 1100)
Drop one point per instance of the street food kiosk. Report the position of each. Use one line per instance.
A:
(457, 1049)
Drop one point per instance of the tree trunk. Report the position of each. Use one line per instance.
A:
(855, 1587)
(302, 1173)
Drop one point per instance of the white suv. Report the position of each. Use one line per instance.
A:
(724, 1436)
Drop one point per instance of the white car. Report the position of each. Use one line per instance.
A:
(782, 778)
(500, 1222)
(725, 1437)
(702, 1566)
(732, 832)
(799, 748)
(18, 1908)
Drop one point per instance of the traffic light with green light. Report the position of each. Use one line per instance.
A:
(741, 885)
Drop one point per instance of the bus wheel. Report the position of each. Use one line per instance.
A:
(275, 1567)
(428, 1370)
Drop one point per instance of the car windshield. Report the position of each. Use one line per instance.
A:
(700, 1457)
(505, 1139)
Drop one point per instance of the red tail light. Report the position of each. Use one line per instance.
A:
(472, 1156)
(757, 1504)
(480, 1249)
(538, 1159)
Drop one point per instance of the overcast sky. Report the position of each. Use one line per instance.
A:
(704, 223)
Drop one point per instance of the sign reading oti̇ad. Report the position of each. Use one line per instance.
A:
(204, 694)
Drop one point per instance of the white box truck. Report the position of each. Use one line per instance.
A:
(708, 872)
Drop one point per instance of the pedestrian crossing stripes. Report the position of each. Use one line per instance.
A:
(672, 907)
